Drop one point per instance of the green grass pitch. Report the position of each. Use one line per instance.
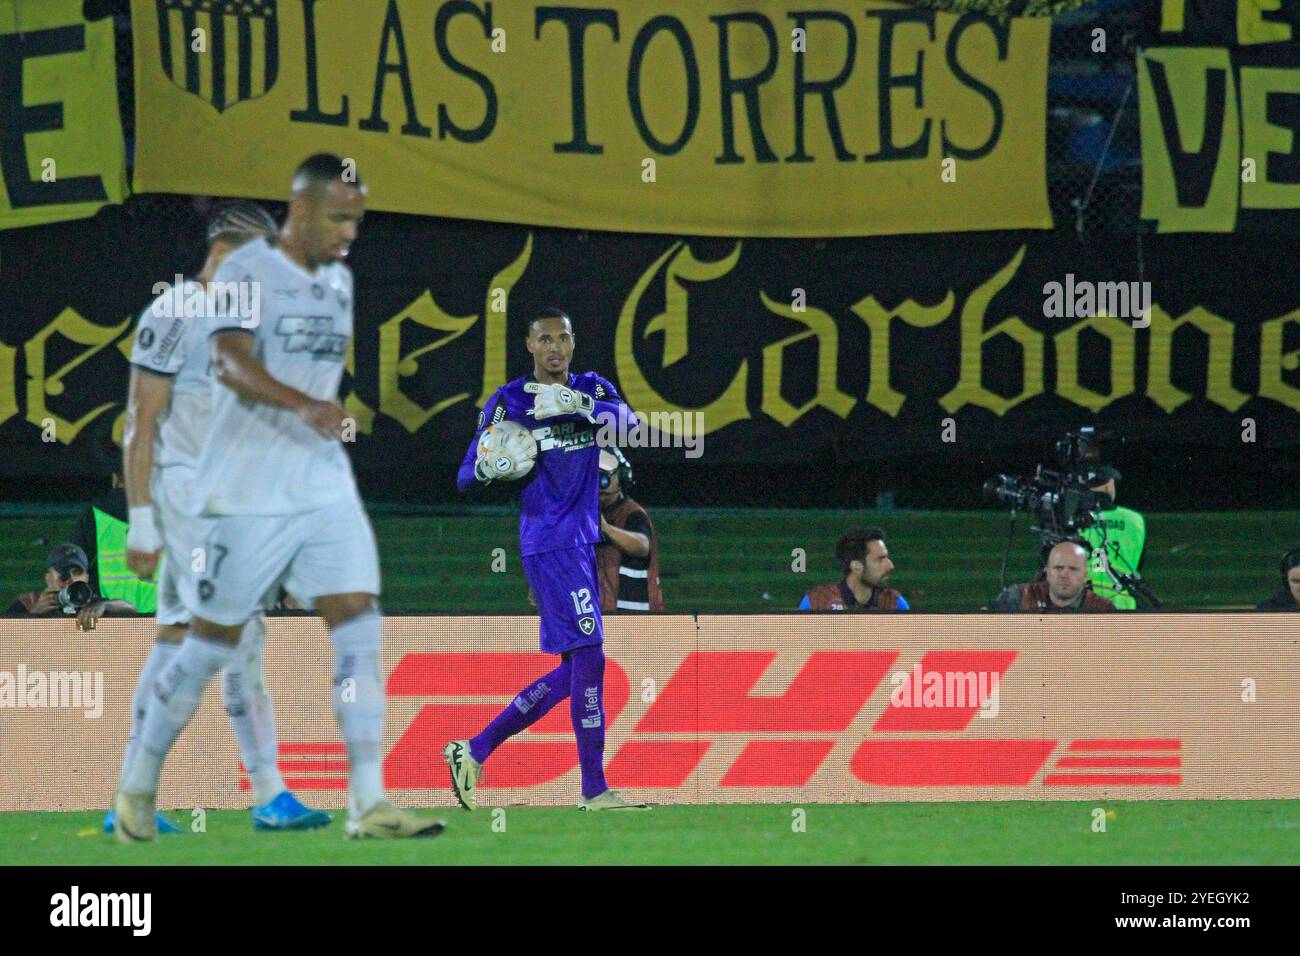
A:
(1167, 832)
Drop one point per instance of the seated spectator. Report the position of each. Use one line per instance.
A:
(1287, 597)
(627, 557)
(1064, 587)
(864, 560)
(65, 566)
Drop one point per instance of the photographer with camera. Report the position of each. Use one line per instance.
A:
(1064, 587)
(101, 533)
(627, 557)
(67, 590)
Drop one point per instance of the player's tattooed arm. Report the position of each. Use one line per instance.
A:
(147, 398)
(235, 366)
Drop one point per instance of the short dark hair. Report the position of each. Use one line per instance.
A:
(1289, 560)
(549, 312)
(853, 546)
(324, 168)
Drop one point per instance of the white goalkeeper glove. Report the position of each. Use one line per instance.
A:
(551, 399)
(141, 533)
(506, 451)
(489, 469)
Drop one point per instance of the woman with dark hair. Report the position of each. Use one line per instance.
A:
(1287, 597)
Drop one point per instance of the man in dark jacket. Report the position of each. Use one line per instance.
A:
(1065, 588)
(1287, 597)
(864, 560)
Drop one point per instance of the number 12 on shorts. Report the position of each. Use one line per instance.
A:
(581, 601)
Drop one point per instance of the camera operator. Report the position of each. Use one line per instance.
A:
(627, 558)
(1116, 538)
(1287, 597)
(866, 565)
(1065, 587)
(1065, 503)
(67, 590)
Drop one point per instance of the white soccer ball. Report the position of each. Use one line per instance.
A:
(509, 449)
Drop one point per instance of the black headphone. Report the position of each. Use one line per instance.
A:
(624, 470)
(1289, 560)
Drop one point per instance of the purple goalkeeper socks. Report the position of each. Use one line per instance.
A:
(526, 709)
(587, 706)
(581, 677)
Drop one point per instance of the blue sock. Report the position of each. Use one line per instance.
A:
(587, 706)
(531, 704)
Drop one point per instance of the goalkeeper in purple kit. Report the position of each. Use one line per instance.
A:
(559, 527)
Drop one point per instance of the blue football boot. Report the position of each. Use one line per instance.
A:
(165, 826)
(286, 812)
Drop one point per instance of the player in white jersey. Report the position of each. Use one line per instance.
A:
(167, 417)
(275, 501)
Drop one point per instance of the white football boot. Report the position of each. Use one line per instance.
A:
(610, 800)
(465, 771)
(386, 821)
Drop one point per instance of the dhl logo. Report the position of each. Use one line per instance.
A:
(787, 737)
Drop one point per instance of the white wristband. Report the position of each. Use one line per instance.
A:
(142, 533)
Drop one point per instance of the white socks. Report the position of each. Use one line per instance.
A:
(172, 684)
(174, 700)
(359, 706)
(252, 715)
(159, 657)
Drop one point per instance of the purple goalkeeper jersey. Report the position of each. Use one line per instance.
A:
(559, 505)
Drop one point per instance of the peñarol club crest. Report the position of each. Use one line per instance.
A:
(222, 51)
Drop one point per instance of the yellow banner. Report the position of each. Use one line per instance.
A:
(1217, 87)
(61, 154)
(1191, 139)
(760, 118)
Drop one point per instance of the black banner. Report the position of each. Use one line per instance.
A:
(772, 350)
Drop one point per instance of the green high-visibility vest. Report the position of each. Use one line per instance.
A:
(1117, 541)
(117, 581)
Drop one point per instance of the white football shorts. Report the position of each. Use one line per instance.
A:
(247, 558)
(170, 490)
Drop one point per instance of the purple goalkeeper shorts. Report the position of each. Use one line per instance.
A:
(568, 597)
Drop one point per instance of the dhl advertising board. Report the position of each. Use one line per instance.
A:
(719, 708)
